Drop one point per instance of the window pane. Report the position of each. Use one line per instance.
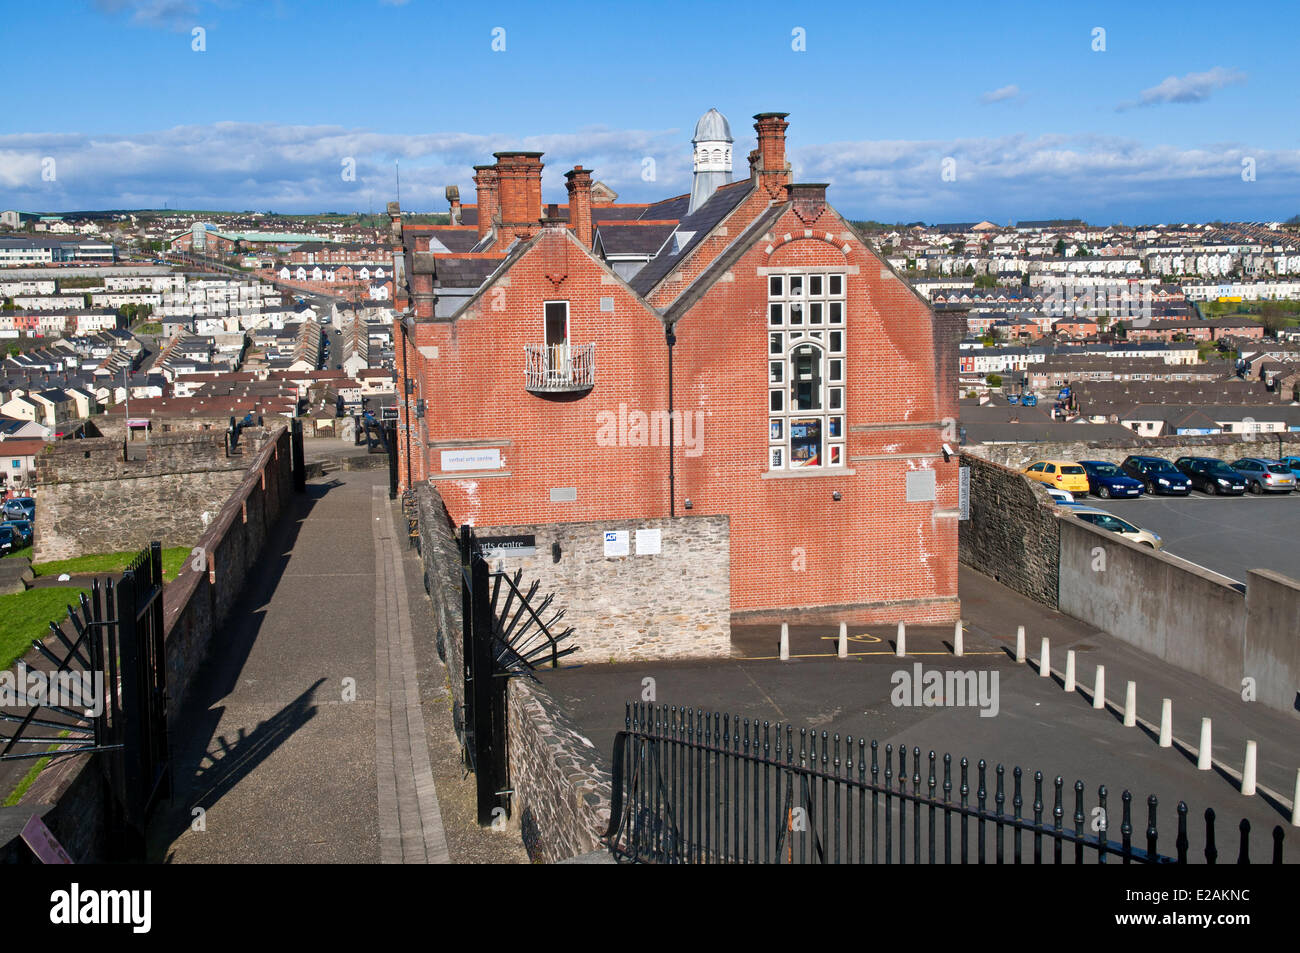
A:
(837, 312)
(796, 314)
(776, 346)
(815, 313)
(836, 426)
(774, 372)
(837, 398)
(837, 455)
(837, 341)
(837, 370)
(796, 285)
(775, 459)
(837, 284)
(774, 284)
(806, 442)
(778, 401)
(806, 378)
(776, 428)
(814, 284)
(774, 313)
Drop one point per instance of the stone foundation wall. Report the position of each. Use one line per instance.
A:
(676, 604)
(92, 499)
(561, 782)
(1228, 447)
(1013, 533)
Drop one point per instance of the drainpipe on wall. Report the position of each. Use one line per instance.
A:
(671, 338)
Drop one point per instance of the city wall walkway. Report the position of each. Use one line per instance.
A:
(304, 740)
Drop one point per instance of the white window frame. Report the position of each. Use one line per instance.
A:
(783, 340)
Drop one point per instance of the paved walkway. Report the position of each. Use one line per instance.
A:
(303, 740)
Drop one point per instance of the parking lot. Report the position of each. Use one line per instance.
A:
(1228, 535)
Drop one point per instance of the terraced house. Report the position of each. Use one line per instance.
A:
(736, 350)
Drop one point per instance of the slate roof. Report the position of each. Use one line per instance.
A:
(455, 239)
(703, 221)
(625, 238)
(668, 209)
(452, 272)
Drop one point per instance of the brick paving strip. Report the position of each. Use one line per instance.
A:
(410, 822)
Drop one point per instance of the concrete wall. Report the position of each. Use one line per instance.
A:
(1228, 447)
(1273, 638)
(672, 605)
(1013, 531)
(1178, 612)
(91, 499)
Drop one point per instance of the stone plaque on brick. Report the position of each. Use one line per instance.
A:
(564, 494)
(485, 458)
(963, 493)
(920, 486)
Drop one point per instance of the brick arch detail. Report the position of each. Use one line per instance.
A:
(809, 234)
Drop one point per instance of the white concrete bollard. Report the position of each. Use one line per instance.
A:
(1069, 670)
(1166, 724)
(844, 640)
(901, 648)
(1045, 660)
(1204, 759)
(1131, 705)
(1020, 643)
(1248, 770)
(1295, 801)
(785, 641)
(956, 640)
(1099, 688)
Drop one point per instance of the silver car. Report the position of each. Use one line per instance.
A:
(1263, 475)
(1103, 520)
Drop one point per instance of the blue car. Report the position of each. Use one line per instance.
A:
(22, 530)
(1107, 480)
(1157, 474)
(1293, 463)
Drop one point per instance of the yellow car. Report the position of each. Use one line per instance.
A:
(1061, 474)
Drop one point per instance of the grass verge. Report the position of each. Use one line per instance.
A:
(25, 616)
(173, 558)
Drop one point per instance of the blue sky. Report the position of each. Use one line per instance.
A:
(1154, 127)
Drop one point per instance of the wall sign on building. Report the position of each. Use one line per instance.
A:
(481, 458)
(496, 546)
(963, 493)
(648, 542)
(616, 543)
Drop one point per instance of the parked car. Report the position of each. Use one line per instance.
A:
(1211, 475)
(1107, 480)
(1060, 497)
(1294, 464)
(20, 508)
(1104, 520)
(1059, 473)
(1263, 475)
(22, 530)
(8, 541)
(1157, 474)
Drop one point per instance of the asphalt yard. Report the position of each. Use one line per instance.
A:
(1225, 534)
(1026, 720)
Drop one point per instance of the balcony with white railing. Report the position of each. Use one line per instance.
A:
(559, 368)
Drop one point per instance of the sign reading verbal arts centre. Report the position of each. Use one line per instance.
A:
(478, 458)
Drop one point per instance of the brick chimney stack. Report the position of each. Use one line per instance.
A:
(773, 170)
(485, 180)
(519, 178)
(579, 186)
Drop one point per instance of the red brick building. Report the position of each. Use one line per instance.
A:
(810, 396)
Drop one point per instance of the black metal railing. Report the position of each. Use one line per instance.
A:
(691, 786)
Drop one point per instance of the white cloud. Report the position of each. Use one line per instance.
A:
(262, 166)
(1001, 95)
(1192, 88)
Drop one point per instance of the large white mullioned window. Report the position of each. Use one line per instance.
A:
(805, 330)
